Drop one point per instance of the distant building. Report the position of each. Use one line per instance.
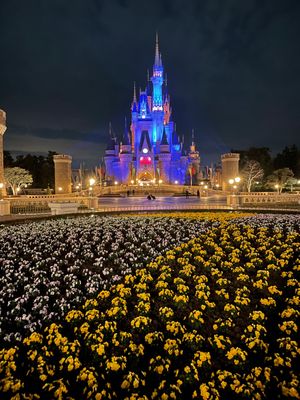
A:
(151, 150)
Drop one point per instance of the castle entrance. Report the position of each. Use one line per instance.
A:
(146, 177)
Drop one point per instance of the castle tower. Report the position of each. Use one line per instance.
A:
(126, 156)
(62, 169)
(230, 168)
(157, 96)
(194, 161)
(2, 130)
(164, 158)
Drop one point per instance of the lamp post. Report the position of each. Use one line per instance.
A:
(92, 182)
(1, 187)
(233, 182)
(277, 188)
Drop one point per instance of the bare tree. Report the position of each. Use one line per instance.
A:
(251, 172)
(16, 178)
(279, 178)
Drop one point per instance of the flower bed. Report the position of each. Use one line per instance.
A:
(214, 318)
(50, 267)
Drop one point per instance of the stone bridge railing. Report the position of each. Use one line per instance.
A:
(40, 203)
(262, 198)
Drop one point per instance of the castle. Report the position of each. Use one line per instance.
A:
(151, 150)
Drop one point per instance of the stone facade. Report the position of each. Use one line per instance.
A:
(62, 169)
(230, 169)
(2, 130)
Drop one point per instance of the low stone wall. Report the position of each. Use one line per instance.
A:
(4, 207)
(40, 203)
(59, 208)
(269, 198)
(245, 199)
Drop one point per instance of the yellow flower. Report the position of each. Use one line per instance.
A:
(204, 391)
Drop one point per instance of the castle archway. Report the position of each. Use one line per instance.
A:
(145, 176)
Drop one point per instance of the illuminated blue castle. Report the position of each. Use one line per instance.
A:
(150, 150)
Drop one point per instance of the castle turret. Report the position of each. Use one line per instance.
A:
(125, 156)
(62, 169)
(230, 169)
(164, 158)
(2, 131)
(194, 161)
(111, 153)
(134, 116)
(157, 97)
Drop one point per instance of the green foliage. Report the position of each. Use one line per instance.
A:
(17, 178)
(40, 167)
(279, 178)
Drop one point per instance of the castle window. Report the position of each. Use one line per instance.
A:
(145, 160)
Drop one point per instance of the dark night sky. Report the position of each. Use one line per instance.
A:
(67, 69)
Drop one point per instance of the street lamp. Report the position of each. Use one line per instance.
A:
(277, 187)
(234, 181)
(116, 182)
(92, 181)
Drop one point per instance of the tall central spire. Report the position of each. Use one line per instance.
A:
(157, 59)
(157, 80)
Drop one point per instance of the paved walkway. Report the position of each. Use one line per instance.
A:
(136, 203)
(161, 203)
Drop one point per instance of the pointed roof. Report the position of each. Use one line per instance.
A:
(134, 101)
(126, 136)
(134, 93)
(175, 138)
(145, 141)
(111, 144)
(157, 59)
(112, 139)
(164, 140)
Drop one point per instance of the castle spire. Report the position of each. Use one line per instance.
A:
(157, 60)
(126, 136)
(193, 137)
(134, 93)
(125, 124)
(134, 101)
(164, 140)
